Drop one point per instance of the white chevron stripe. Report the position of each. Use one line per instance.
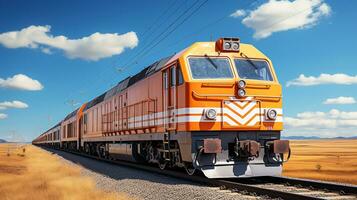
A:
(243, 120)
(243, 102)
(254, 121)
(241, 111)
(229, 121)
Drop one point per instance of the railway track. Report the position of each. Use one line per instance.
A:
(261, 188)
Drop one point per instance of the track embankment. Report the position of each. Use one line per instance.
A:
(28, 172)
(142, 184)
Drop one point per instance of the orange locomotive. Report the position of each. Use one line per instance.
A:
(214, 106)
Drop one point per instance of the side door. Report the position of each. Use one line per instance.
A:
(170, 98)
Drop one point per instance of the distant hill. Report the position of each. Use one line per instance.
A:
(314, 137)
(2, 141)
(300, 137)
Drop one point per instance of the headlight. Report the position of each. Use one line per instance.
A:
(211, 114)
(235, 46)
(241, 92)
(242, 84)
(227, 45)
(272, 114)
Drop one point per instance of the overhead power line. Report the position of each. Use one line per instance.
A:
(161, 37)
(148, 30)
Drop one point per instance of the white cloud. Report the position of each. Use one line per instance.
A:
(327, 124)
(340, 100)
(13, 104)
(340, 79)
(3, 116)
(46, 50)
(21, 82)
(238, 13)
(282, 15)
(92, 47)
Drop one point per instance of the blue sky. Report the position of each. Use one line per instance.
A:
(309, 37)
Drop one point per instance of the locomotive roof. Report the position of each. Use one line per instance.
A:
(128, 81)
(118, 88)
(71, 114)
(95, 101)
(149, 70)
(55, 126)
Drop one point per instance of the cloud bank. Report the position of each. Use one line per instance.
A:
(93, 47)
(3, 116)
(326, 124)
(340, 100)
(282, 15)
(13, 104)
(238, 13)
(323, 79)
(21, 82)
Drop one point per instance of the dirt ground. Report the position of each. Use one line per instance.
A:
(328, 160)
(36, 174)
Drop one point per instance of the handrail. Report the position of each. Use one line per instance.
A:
(230, 95)
(217, 84)
(211, 95)
(260, 86)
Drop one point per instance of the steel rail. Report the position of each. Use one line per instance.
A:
(337, 187)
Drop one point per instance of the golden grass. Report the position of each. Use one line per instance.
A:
(38, 175)
(328, 160)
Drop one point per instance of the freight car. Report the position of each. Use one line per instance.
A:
(214, 107)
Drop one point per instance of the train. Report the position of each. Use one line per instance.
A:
(214, 107)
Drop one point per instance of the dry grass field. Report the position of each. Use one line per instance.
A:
(329, 160)
(38, 175)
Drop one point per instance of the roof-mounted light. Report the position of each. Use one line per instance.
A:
(228, 45)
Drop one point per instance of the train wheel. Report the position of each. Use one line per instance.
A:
(190, 169)
(86, 148)
(162, 165)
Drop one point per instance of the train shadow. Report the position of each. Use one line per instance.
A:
(117, 172)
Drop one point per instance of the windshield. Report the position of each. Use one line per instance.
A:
(210, 68)
(253, 69)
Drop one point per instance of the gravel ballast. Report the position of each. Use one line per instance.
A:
(140, 184)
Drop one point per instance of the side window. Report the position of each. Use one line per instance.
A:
(172, 76)
(85, 123)
(85, 119)
(179, 75)
(166, 83)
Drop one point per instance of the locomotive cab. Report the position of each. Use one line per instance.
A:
(235, 110)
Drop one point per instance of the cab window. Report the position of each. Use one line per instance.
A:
(253, 69)
(210, 68)
(172, 76)
(179, 74)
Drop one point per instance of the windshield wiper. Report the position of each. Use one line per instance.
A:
(211, 61)
(249, 60)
